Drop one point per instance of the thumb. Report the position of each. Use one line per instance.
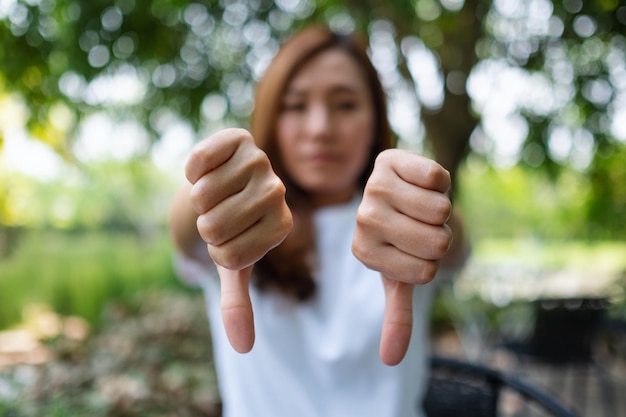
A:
(237, 308)
(397, 322)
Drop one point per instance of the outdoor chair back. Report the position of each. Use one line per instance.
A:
(462, 389)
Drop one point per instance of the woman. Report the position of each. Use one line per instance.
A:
(312, 220)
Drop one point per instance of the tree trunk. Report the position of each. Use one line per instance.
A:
(448, 129)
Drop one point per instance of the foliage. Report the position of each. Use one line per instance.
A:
(77, 273)
(580, 56)
(152, 357)
(537, 82)
(517, 203)
(114, 195)
(153, 62)
(198, 61)
(607, 200)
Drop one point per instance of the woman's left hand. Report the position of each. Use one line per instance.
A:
(402, 233)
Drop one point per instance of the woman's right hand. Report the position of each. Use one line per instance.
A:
(242, 215)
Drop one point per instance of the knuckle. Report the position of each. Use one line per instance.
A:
(272, 201)
(233, 260)
(434, 173)
(210, 229)
(442, 208)
(274, 188)
(362, 252)
(197, 196)
(238, 134)
(259, 157)
(257, 161)
(439, 243)
(417, 270)
(376, 187)
(382, 162)
(226, 258)
(282, 225)
(286, 224)
(418, 273)
(361, 217)
(431, 171)
(358, 251)
(195, 164)
(426, 272)
(385, 157)
(368, 217)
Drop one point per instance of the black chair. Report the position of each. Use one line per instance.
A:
(561, 343)
(462, 389)
(565, 329)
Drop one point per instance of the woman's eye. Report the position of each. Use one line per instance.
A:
(296, 107)
(346, 105)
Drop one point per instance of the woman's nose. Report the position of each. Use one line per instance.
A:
(318, 122)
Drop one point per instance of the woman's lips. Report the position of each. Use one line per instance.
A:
(322, 158)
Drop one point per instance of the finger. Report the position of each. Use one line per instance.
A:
(250, 246)
(421, 204)
(382, 256)
(414, 237)
(237, 308)
(248, 170)
(215, 186)
(397, 322)
(261, 201)
(418, 239)
(418, 170)
(218, 227)
(213, 152)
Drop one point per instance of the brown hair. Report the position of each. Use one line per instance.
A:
(288, 267)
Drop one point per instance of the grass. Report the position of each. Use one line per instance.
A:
(77, 274)
(607, 257)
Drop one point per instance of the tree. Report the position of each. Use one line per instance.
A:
(607, 201)
(198, 62)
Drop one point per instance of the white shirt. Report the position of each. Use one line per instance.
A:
(320, 358)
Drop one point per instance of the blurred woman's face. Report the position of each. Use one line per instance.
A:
(326, 126)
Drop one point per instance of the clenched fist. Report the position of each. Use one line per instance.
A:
(242, 214)
(402, 233)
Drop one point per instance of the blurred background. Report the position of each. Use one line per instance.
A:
(524, 101)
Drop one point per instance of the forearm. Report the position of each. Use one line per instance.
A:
(459, 250)
(182, 223)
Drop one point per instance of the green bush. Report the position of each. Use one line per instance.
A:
(77, 273)
(606, 203)
(517, 203)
